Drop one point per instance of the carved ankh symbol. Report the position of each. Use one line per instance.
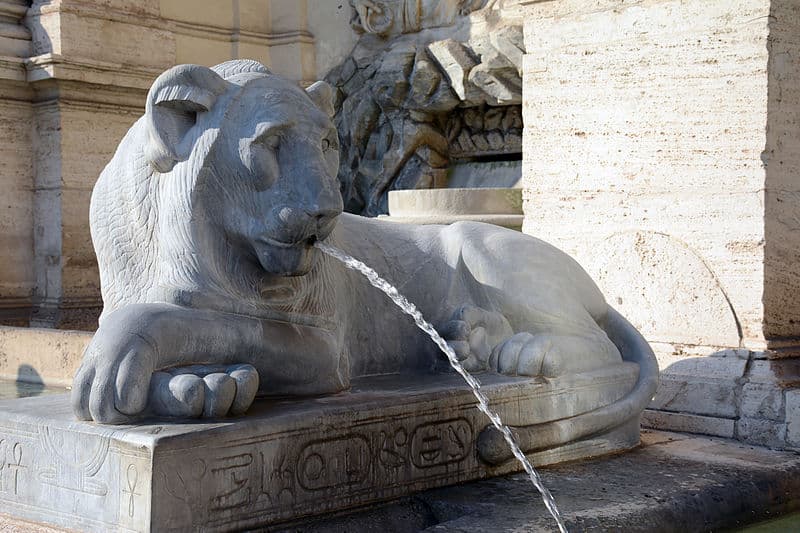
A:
(132, 477)
(16, 466)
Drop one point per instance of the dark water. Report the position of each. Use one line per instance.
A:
(18, 389)
(789, 522)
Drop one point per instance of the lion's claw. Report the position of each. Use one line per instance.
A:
(472, 332)
(210, 391)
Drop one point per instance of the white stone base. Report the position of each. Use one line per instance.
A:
(501, 207)
(285, 460)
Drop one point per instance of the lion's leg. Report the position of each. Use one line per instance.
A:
(113, 382)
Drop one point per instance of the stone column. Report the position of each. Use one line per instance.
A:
(661, 150)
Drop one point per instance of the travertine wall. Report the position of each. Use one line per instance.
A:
(16, 167)
(16, 210)
(73, 78)
(661, 150)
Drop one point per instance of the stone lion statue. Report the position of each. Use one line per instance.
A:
(204, 223)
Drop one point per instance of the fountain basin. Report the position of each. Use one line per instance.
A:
(287, 459)
(498, 206)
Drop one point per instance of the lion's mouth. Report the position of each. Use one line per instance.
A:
(282, 244)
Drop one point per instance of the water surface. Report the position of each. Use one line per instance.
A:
(10, 389)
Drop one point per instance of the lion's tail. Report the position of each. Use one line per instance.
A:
(634, 348)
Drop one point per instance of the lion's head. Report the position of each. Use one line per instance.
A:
(268, 176)
(230, 174)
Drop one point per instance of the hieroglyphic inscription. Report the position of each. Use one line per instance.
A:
(232, 475)
(440, 443)
(16, 466)
(334, 463)
(11, 467)
(74, 457)
(182, 481)
(2, 464)
(277, 478)
(393, 448)
(131, 482)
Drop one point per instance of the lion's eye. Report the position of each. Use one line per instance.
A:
(269, 141)
(325, 145)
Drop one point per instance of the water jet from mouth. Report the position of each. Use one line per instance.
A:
(483, 402)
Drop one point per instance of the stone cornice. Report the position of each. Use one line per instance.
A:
(175, 26)
(12, 11)
(54, 66)
(12, 68)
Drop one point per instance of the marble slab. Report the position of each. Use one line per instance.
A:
(287, 459)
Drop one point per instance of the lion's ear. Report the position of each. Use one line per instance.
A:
(171, 112)
(321, 94)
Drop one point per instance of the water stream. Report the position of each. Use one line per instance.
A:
(483, 402)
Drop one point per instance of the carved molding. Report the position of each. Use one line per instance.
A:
(220, 33)
(55, 66)
(15, 39)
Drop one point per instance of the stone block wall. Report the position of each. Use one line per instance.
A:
(661, 151)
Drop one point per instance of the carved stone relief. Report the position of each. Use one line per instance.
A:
(427, 83)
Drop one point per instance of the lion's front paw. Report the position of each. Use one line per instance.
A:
(210, 391)
(472, 332)
(112, 383)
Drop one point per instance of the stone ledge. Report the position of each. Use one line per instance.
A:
(689, 423)
(41, 355)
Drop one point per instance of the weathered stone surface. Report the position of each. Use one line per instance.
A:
(456, 61)
(654, 169)
(16, 213)
(667, 286)
(672, 483)
(763, 400)
(688, 423)
(389, 437)
(706, 386)
(793, 418)
(761, 432)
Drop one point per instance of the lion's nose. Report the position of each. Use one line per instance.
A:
(323, 220)
(323, 216)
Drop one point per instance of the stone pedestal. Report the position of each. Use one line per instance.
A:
(286, 459)
(660, 150)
